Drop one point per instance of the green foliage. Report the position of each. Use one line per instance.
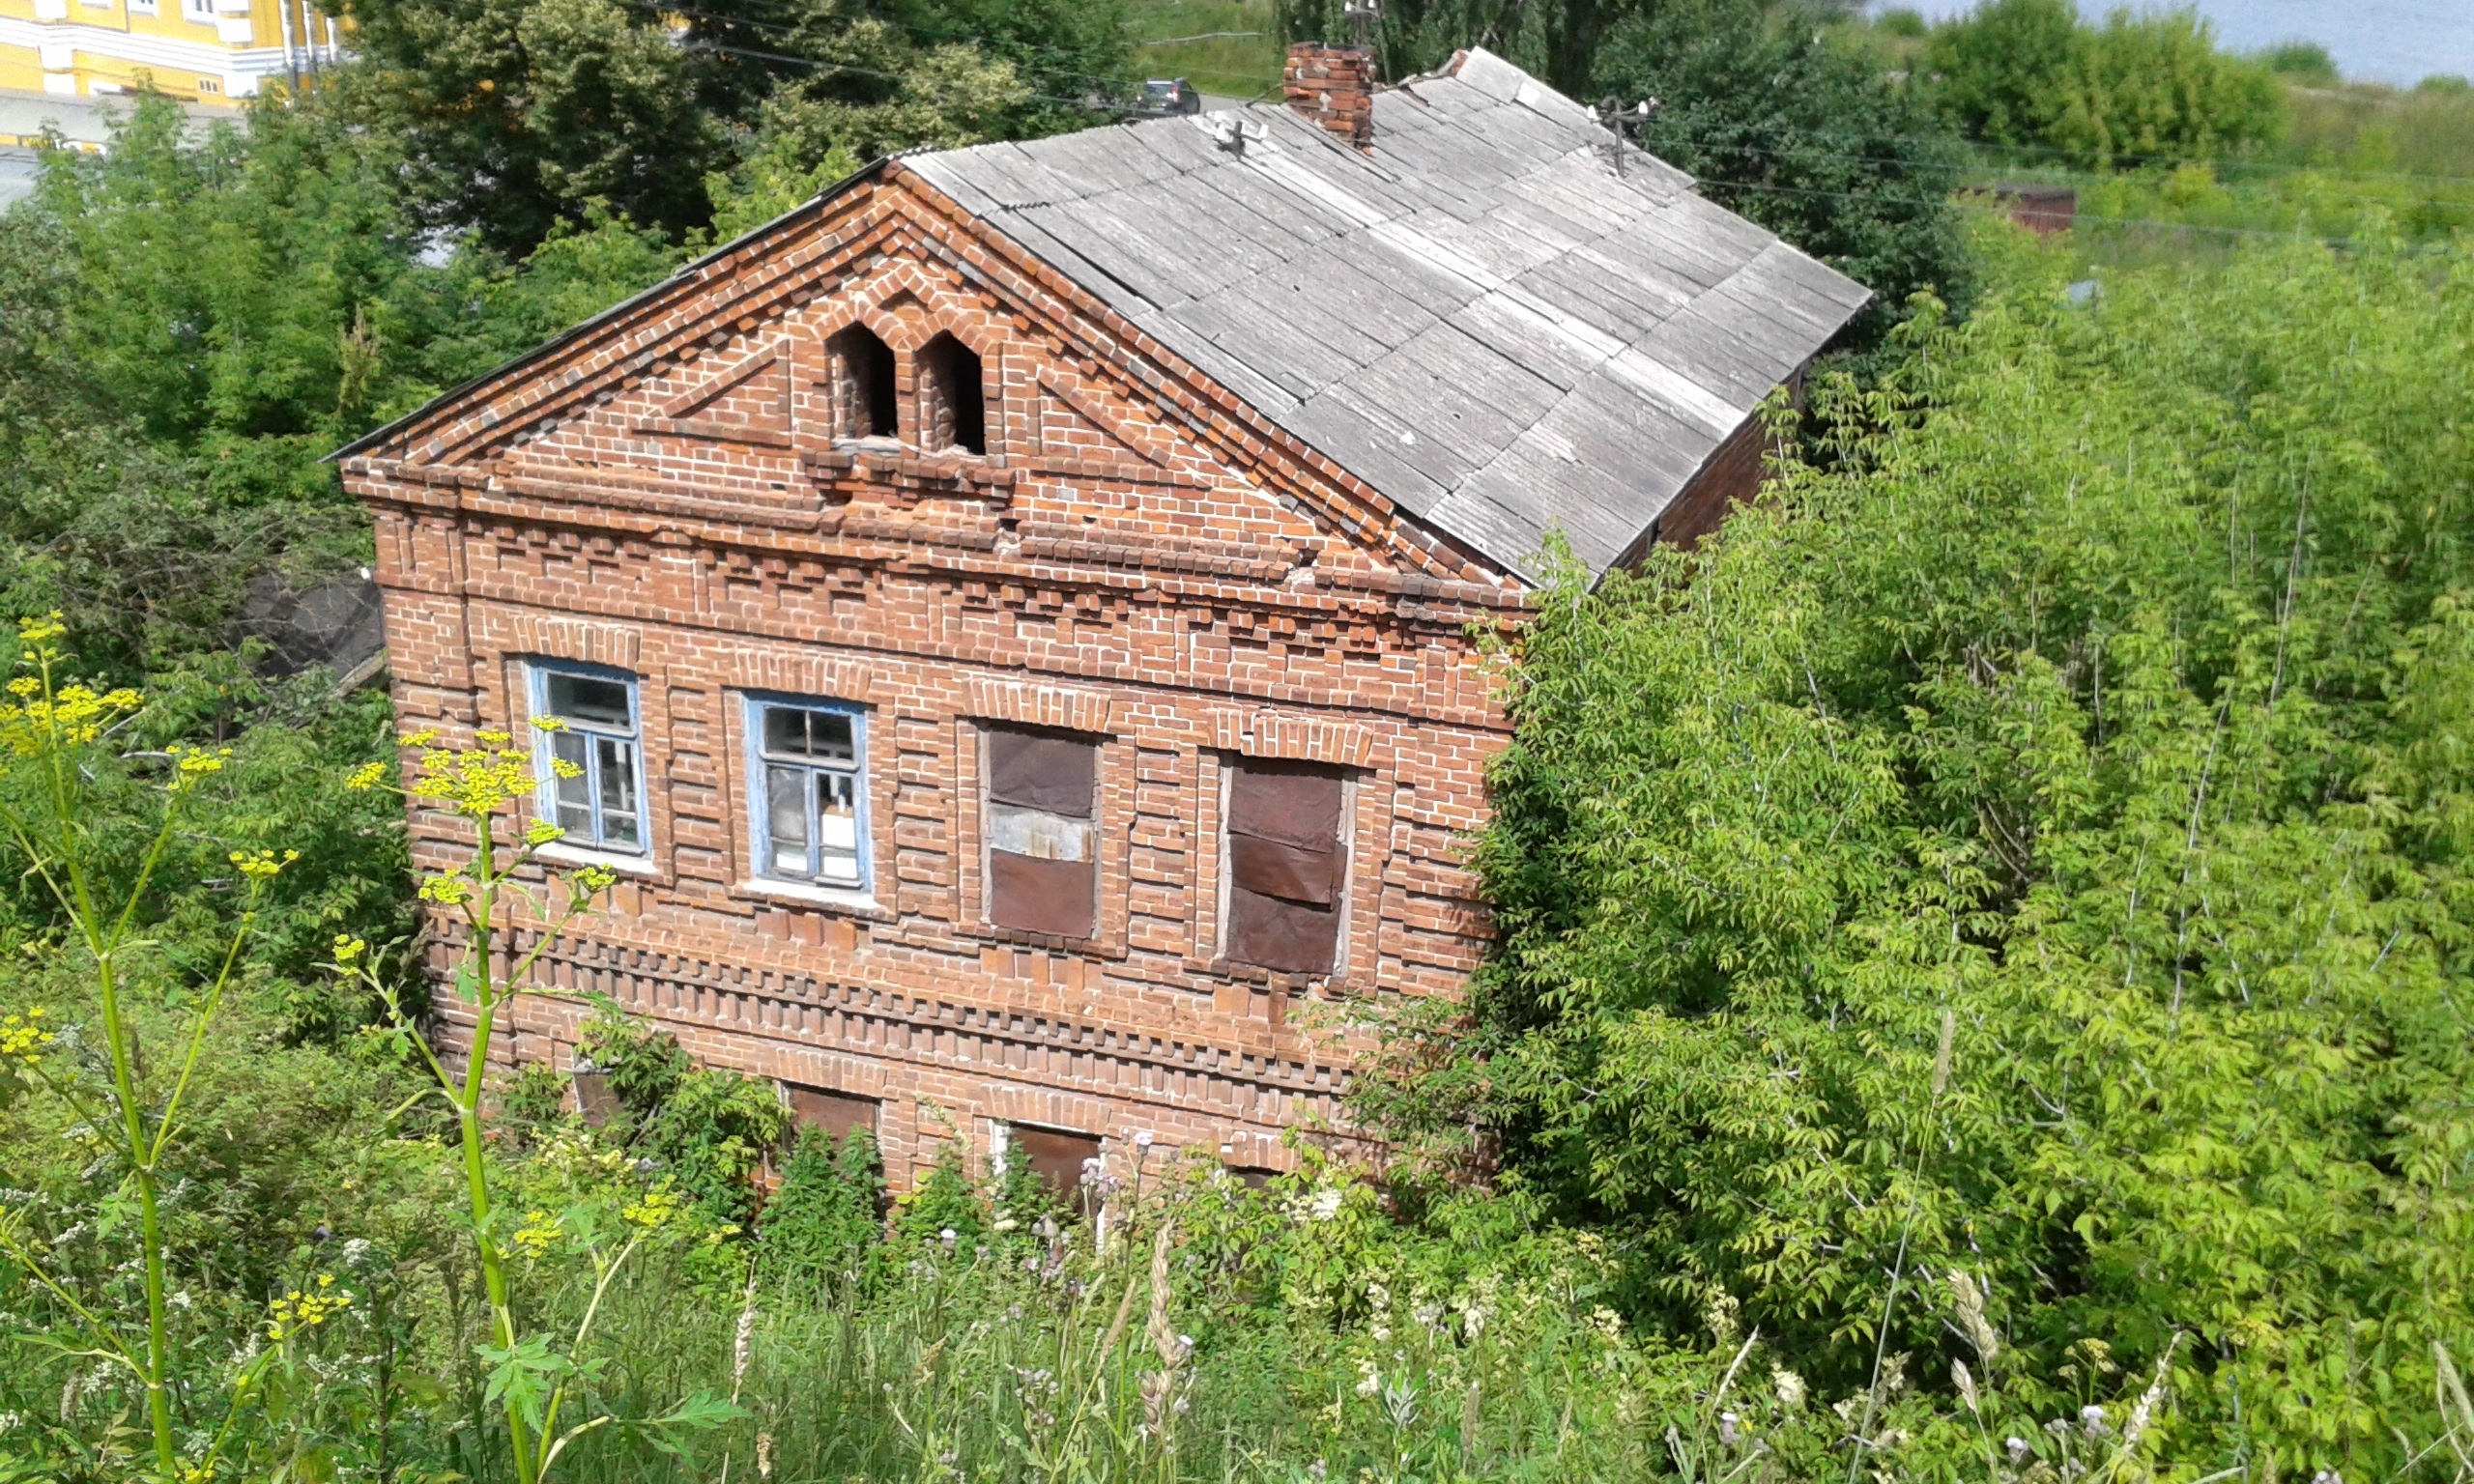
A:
(2100, 704)
(645, 1063)
(820, 1222)
(2305, 62)
(943, 1200)
(2154, 87)
(1786, 125)
(712, 1132)
(1998, 71)
(2142, 88)
(512, 115)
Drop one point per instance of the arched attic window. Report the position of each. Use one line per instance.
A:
(862, 373)
(953, 402)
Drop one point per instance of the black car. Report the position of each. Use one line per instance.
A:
(1163, 95)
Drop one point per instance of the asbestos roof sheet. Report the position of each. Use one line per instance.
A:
(1484, 316)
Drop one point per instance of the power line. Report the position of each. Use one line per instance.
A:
(1748, 147)
(904, 78)
(1207, 36)
(916, 33)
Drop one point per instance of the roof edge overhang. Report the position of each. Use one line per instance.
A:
(686, 274)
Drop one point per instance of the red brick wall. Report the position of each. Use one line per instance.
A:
(1138, 557)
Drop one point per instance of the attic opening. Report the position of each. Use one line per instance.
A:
(862, 379)
(952, 401)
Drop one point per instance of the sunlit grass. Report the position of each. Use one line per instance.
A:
(1240, 67)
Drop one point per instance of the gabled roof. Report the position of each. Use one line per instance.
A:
(1482, 317)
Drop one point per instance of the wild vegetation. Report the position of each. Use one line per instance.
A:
(1983, 984)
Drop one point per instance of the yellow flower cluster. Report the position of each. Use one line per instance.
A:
(348, 950)
(476, 781)
(262, 864)
(73, 715)
(653, 1210)
(22, 1037)
(539, 1233)
(192, 764)
(300, 1310)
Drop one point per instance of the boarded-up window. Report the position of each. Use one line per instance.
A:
(836, 1113)
(1059, 1161)
(1043, 874)
(1286, 868)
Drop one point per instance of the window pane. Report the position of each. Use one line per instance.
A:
(791, 732)
(574, 794)
(785, 819)
(619, 824)
(829, 737)
(837, 822)
(585, 699)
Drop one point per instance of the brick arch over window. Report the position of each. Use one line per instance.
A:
(860, 372)
(953, 396)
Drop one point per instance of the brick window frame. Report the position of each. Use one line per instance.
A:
(1112, 804)
(1359, 848)
(540, 675)
(740, 783)
(760, 764)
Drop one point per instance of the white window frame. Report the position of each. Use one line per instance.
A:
(546, 805)
(198, 12)
(759, 794)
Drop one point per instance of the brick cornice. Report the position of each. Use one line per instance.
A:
(967, 546)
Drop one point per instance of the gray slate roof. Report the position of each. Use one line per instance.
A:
(1482, 318)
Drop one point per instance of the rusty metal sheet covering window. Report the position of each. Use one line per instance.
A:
(1049, 774)
(1057, 1161)
(836, 1113)
(1285, 866)
(1042, 874)
(1287, 802)
(1050, 896)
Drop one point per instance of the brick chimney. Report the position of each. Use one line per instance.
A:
(1333, 86)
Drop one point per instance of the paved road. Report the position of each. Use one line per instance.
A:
(23, 116)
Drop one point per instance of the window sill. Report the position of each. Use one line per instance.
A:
(1020, 937)
(635, 866)
(848, 903)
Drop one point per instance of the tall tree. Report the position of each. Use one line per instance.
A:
(513, 114)
(1805, 135)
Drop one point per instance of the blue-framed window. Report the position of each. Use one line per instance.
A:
(598, 796)
(808, 786)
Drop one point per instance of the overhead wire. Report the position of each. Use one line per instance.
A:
(1780, 153)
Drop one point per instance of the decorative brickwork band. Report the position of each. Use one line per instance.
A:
(1333, 86)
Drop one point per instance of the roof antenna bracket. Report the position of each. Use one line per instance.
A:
(1230, 132)
(1622, 124)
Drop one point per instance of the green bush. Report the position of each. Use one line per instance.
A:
(1998, 72)
(822, 1220)
(2034, 851)
(2147, 87)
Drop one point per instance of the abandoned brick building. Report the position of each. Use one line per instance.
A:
(1014, 613)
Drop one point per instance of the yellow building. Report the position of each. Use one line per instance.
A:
(210, 52)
